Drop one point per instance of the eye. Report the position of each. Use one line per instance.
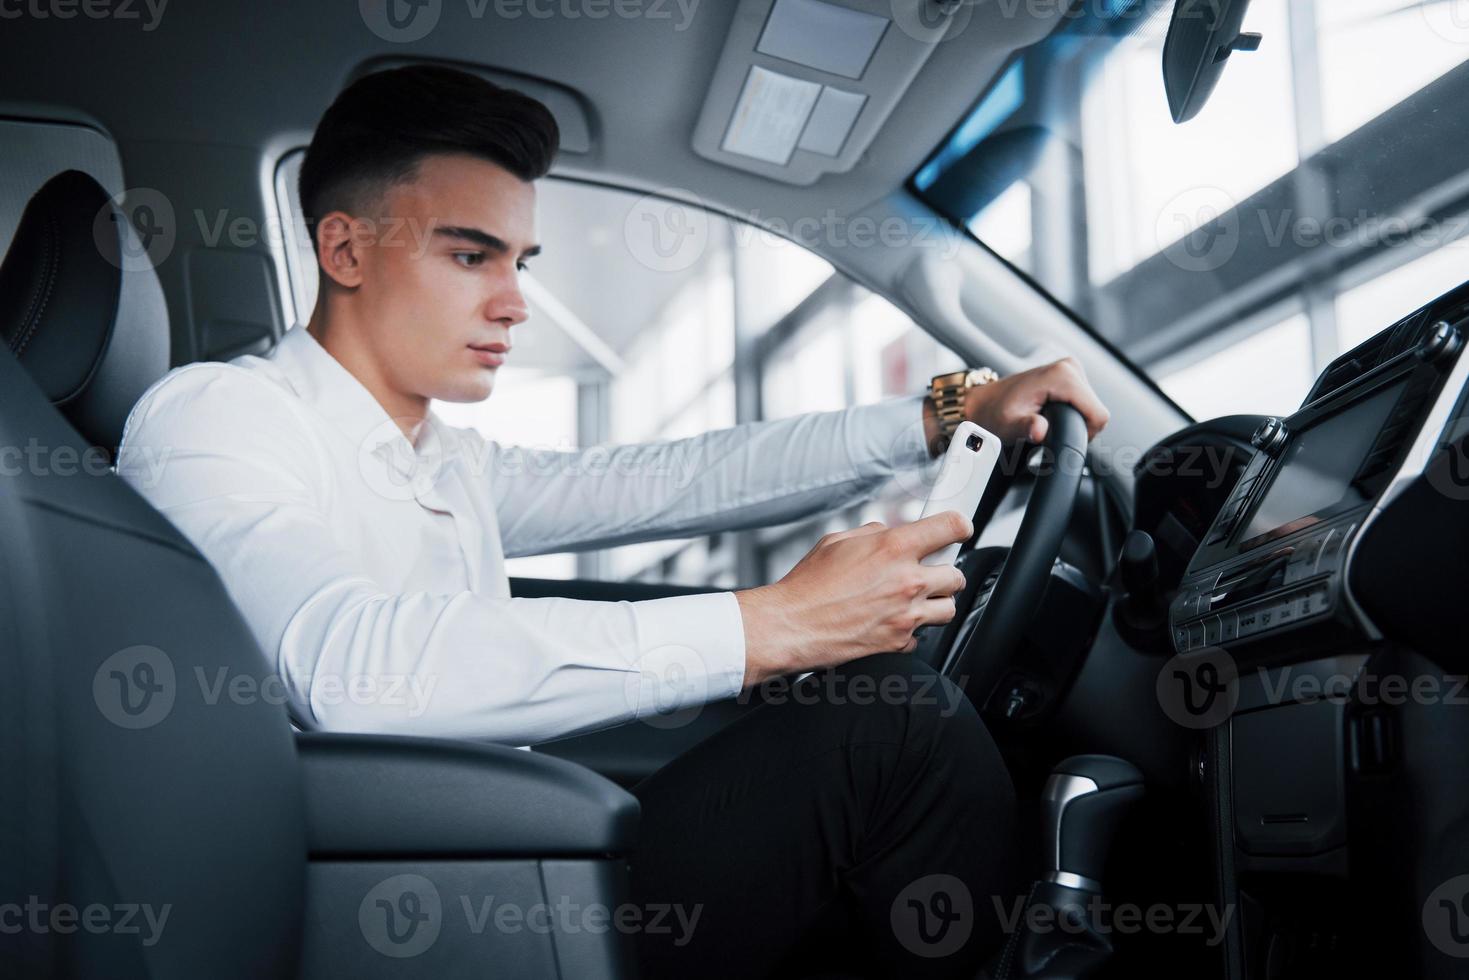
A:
(521, 267)
(469, 259)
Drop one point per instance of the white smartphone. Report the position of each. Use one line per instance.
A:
(968, 465)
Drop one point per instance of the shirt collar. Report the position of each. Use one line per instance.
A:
(335, 393)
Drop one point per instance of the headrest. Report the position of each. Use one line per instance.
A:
(90, 327)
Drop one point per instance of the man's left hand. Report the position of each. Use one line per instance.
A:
(1011, 407)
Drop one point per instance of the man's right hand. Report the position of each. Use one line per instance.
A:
(856, 593)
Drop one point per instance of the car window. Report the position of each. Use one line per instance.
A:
(1314, 201)
(649, 318)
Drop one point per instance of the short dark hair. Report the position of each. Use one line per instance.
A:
(383, 124)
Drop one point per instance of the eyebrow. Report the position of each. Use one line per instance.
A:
(484, 238)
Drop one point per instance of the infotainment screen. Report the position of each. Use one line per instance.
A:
(1317, 466)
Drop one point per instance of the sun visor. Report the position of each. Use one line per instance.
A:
(804, 85)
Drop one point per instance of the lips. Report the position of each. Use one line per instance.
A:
(490, 355)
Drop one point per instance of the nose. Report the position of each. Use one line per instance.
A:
(508, 306)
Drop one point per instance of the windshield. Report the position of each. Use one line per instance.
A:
(1319, 196)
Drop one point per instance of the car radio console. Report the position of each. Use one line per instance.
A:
(1271, 573)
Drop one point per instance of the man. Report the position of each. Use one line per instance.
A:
(364, 542)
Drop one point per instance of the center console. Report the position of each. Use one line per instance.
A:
(1309, 784)
(1271, 575)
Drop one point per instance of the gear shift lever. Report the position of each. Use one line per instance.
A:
(1085, 799)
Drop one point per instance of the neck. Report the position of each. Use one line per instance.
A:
(339, 337)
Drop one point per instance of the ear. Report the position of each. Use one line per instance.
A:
(339, 248)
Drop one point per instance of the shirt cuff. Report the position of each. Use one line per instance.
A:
(691, 650)
(889, 434)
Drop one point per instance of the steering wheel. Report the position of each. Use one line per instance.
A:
(978, 661)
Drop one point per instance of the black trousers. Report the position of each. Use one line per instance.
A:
(859, 823)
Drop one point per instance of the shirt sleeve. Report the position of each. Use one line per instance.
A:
(228, 459)
(751, 475)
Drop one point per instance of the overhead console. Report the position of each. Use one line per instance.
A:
(803, 86)
(1270, 577)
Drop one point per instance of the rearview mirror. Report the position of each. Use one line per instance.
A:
(1202, 36)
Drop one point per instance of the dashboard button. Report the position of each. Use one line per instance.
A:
(1195, 635)
(1322, 544)
(1211, 631)
(1249, 622)
(1228, 626)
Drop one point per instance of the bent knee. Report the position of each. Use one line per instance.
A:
(897, 690)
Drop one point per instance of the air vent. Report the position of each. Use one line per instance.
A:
(1371, 354)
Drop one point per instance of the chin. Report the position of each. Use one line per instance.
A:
(473, 389)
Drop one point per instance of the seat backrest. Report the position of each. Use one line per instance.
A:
(169, 782)
(81, 307)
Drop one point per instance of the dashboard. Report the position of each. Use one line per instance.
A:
(1310, 562)
(1270, 533)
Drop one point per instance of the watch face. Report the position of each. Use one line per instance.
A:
(974, 377)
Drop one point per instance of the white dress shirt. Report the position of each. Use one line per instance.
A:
(372, 572)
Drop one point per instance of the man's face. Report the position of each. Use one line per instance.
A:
(439, 285)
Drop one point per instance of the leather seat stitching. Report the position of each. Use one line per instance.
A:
(32, 319)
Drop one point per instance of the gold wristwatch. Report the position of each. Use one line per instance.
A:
(947, 392)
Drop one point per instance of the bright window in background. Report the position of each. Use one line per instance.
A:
(1175, 242)
(1366, 309)
(857, 349)
(775, 275)
(1006, 224)
(1362, 43)
(1267, 373)
(529, 409)
(1141, 169)
(664, 390)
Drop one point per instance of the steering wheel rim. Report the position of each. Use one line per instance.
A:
(979, 659)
